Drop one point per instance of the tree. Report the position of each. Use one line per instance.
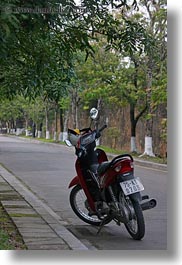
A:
(38, 51)
(156, 60)
(132, 90)
(108, 76)
(147, 52)
(21, 109)
(10, 111)
(25, 34)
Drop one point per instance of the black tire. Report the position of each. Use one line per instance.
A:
(77, 202)
(136, 226)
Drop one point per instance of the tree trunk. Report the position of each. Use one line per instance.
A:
(61, 121)
(47, 123)
(149, 122)
(99, 106)
(56, 125)
(64, 117)
(26, 126)
(75, 105)
(133, 129)
(8, 127)
(133, 122)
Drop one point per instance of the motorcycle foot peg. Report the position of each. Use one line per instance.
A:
(145, 197)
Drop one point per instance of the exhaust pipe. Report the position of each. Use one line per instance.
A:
(149, 204)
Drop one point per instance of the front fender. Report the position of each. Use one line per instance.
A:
(74, 182)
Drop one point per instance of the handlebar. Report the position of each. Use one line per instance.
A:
(98, 132)
(102, 128)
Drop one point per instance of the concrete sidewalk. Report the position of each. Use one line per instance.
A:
(39, 226)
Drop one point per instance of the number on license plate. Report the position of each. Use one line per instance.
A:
(131, 186)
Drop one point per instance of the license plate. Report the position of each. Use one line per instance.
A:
(131, 186)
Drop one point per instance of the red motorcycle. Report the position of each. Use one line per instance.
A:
(106, 190)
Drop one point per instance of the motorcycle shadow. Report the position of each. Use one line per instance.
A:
(90, 233)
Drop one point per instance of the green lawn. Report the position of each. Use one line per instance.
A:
(10, 238)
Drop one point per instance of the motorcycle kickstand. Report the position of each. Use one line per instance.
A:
(100, 227)
(102, 224)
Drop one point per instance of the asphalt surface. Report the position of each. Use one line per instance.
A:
(41, 173)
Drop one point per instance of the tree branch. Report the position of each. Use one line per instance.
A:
(141, 113)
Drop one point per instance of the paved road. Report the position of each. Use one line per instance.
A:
(47, 170)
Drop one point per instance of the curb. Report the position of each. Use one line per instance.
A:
(47, 218)
(144, 163)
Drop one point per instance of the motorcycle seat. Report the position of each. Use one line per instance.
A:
(102, 168)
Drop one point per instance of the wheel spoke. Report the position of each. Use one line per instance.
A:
(136, 225)
(80, 200)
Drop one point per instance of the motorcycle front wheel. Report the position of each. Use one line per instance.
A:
(78, 201)
(136, 224)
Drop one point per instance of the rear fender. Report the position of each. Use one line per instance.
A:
(74, 182)
(136, 197)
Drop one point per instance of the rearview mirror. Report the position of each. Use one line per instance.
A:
(68, 143)
(94, 113)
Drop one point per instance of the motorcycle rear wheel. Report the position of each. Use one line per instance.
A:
(77, 202)
(136, 225)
